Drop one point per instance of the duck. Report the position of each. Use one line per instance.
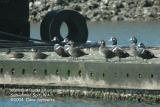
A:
(55, 40)
(114, 41)
(118, 50)
(133, 46)
(38, 54)
(74, 51)
(144, 53)
(14, 54)
(61, 51)
(65, 40)
(105, 52)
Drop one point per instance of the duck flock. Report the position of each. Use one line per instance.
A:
(137, 50)
(70, 49)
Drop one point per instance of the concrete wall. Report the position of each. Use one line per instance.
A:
(88, 74)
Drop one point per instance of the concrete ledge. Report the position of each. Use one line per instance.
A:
(85, 74)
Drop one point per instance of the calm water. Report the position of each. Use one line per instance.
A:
(146, 32)
(70, 103)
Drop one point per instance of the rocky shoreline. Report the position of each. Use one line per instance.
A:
(100, 10)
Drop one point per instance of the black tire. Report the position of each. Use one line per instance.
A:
(77, 27)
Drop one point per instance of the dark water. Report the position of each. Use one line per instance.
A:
(146, 32)
(70, 103)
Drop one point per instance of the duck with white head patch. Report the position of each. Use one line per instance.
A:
(55, 40)
(114, 41)
(133, 46)
(74, 51)
(61, 51)
(118, 50)
(37, 54)
(105, 52)
(144, 53)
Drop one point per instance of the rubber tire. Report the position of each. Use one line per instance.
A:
(51, 24)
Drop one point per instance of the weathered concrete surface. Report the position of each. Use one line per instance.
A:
(100, 10)
(88, 71)
(87, 74)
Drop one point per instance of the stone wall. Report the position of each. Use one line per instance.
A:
(100, 10)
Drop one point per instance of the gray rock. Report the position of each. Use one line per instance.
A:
(147, 3)
(99, 10)
(105, 1)
(117, 18)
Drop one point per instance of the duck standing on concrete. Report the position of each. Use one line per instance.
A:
(65, 41)
(133, 46)
(114, 42)
(14, 54)
(105, 52)
(120, 53)
(144, 53)
(117, 50)
(61, 51)
(55, 40)
(38, 55)
(74, 51)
